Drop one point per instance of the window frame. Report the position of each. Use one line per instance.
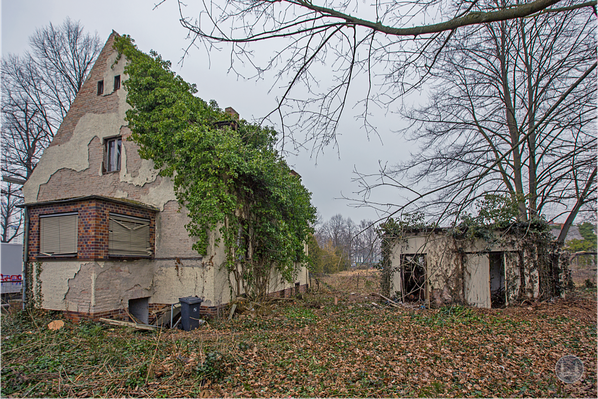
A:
(100, 87)
(116, 82)
(107, 154)
(43, 232)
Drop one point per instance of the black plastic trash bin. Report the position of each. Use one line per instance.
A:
(190, 312)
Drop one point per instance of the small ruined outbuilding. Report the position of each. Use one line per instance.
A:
(436, 267)
(105, 235)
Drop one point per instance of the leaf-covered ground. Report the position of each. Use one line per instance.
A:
(311, 347)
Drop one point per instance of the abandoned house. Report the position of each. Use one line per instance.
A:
(105, 235)
(434, 267)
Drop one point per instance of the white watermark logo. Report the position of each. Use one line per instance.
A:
(569, 369)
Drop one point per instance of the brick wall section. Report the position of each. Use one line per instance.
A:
(87, 100)
(289, 292)
(93, 225)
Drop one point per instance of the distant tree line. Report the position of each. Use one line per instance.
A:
(340, 244)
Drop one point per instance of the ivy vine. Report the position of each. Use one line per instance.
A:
(226, 172)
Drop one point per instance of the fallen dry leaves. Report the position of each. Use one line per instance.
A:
(311, 348)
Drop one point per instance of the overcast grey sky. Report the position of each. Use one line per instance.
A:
(159, 29)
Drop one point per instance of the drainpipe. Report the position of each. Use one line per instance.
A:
(25, 254)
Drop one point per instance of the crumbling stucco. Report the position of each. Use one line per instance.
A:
(86, 130)
(55, 278)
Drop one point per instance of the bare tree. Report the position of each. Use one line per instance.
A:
(37, 91)
(366, 244)
(337, 233)
(513, 112)
(10, 219)
(393, 45)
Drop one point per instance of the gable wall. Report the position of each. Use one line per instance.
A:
(72, 167)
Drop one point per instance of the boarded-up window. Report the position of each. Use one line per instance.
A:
(58, 234)
(129, 236)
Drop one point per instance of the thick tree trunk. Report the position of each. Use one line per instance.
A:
(512, 126)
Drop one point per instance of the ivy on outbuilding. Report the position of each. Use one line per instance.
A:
(237, 188)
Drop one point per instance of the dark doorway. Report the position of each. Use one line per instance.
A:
(413, 273)
(497, 279)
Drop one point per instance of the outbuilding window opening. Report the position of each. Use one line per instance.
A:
(497, 279)
(129, 236)
(413, 277)
(100, 87)
(116, 82)
(58, 234)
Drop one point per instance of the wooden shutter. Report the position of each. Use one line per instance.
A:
(58, 234)
(128, 236)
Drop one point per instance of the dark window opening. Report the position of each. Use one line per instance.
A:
(113, 150)
(497, 280)
(116, 82)
(413, 276)
(234, 125)
(139, 310)
(100, 87)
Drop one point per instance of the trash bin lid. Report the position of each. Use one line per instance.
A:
(190, 300)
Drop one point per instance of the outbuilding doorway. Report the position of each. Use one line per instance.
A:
(413, 277)
(497, 279)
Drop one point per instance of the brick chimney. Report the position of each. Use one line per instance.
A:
(231, 111)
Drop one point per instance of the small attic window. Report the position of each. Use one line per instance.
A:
(100, 87)
(112, 154)
(116, 82)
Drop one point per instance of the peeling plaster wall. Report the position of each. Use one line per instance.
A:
(54, 280)
(89, 126)
(72, 167)
(93, 287)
